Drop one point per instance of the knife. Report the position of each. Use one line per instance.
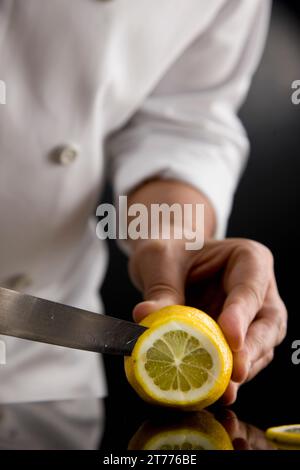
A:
(35, 319)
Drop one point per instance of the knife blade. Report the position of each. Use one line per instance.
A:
(27, 317)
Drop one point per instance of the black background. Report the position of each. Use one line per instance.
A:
(265, 209)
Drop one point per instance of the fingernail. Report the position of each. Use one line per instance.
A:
(143, 309)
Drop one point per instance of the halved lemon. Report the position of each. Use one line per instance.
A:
(199, 431)
(288, 434)
(182, 360)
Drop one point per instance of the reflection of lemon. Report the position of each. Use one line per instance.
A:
(182, 360)
(280, 446)
(199, 431)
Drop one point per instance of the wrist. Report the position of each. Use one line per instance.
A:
(184, 214)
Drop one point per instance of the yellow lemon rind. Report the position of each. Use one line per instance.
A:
(201, 322)
(279, 434)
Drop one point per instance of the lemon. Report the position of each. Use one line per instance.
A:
(199, 431)
(286, 434)
(283, 446)
(182, 360)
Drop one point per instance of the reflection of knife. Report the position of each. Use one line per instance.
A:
(27, 317)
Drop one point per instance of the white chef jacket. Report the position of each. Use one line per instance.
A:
(128, 88)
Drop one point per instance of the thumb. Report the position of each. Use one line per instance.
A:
(158, 273)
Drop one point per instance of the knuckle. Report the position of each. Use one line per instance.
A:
(250, 245)
(270, 356)
(251, 290)
(260, 364)
(261, 345)
(266, 360)
(258, 346)
(257, 250)
(264, 341)
(266, 252)
(282, 325)
(256, 294)
(147, 254)
(162, 288)
(245, 248)
(160, 247)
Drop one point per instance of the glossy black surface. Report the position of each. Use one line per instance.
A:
(122, 421)
(128, 425)
(266, 209)
(81, 425)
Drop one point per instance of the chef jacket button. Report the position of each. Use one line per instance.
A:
(65, 155)
(18, 282)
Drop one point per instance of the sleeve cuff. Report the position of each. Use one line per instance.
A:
(204, 168)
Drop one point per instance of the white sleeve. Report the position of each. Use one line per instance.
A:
(188, 129)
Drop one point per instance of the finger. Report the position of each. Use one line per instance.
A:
(143, 309)
(158, 272)
(268, 330)
(241, 366)
(237, 430)
(229, 421)
(274, 297)
(242, 435)
(260, 365)
(246, 282)
(230, 394)
(234, 428)
(261, 339)
(241, 444)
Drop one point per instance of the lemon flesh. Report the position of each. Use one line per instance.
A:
(178, 364)
(178, 361)
(182, 360)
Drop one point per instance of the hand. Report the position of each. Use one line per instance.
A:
(232, 280)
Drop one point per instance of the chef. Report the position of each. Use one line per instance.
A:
(144, 93)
